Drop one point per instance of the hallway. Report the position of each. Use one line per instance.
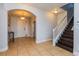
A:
(27, 47)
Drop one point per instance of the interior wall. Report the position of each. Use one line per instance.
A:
(21, 28)
(43, 26)
(33, 27)
(3, 29)
(76, 29)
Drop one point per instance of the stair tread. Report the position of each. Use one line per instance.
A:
(66, 43)
(68, 29)
(68, 33)
(65, 47)
(67, 39)
(67, 36)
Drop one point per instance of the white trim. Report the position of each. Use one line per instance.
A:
(76, 53)
(5, 49)
(55, 40)
(42, 41)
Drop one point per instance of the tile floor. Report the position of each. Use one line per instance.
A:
(28, 47)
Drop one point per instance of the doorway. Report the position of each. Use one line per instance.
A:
(22, 23)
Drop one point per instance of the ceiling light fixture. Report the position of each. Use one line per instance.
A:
(22, 17)
(55, 11)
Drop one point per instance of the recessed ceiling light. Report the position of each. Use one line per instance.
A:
(55, 11)
(22, 17)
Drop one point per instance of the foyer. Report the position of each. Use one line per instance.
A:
(27, 47)
(47, 23)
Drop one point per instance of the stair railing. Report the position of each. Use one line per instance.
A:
(59, 29)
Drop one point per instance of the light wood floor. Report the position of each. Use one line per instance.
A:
(28, 47)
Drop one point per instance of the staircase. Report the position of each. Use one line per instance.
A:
(70, 10)
(66, 40)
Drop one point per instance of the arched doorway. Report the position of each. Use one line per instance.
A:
(21, 23)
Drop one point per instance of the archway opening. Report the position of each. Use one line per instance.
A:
(21, 23)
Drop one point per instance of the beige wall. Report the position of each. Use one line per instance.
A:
(20, 27)
(44, 25)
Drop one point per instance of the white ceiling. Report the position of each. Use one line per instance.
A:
(18, 12)
(42, 6)
(46, 6)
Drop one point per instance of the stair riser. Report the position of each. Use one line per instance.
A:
(66, 36)
(68, 33)
(66, 43)
(68, 40)
(67, 48)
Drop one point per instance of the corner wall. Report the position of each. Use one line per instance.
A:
(3, 29)
(76, 29)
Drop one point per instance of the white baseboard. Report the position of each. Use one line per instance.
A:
(42, 41)
(3, 50)
(76, 53)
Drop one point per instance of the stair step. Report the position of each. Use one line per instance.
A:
(66, 43)
(68, 32)
(67, 39)
(67, 36)
(69, 29)
(70, 25)
(65, 47)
